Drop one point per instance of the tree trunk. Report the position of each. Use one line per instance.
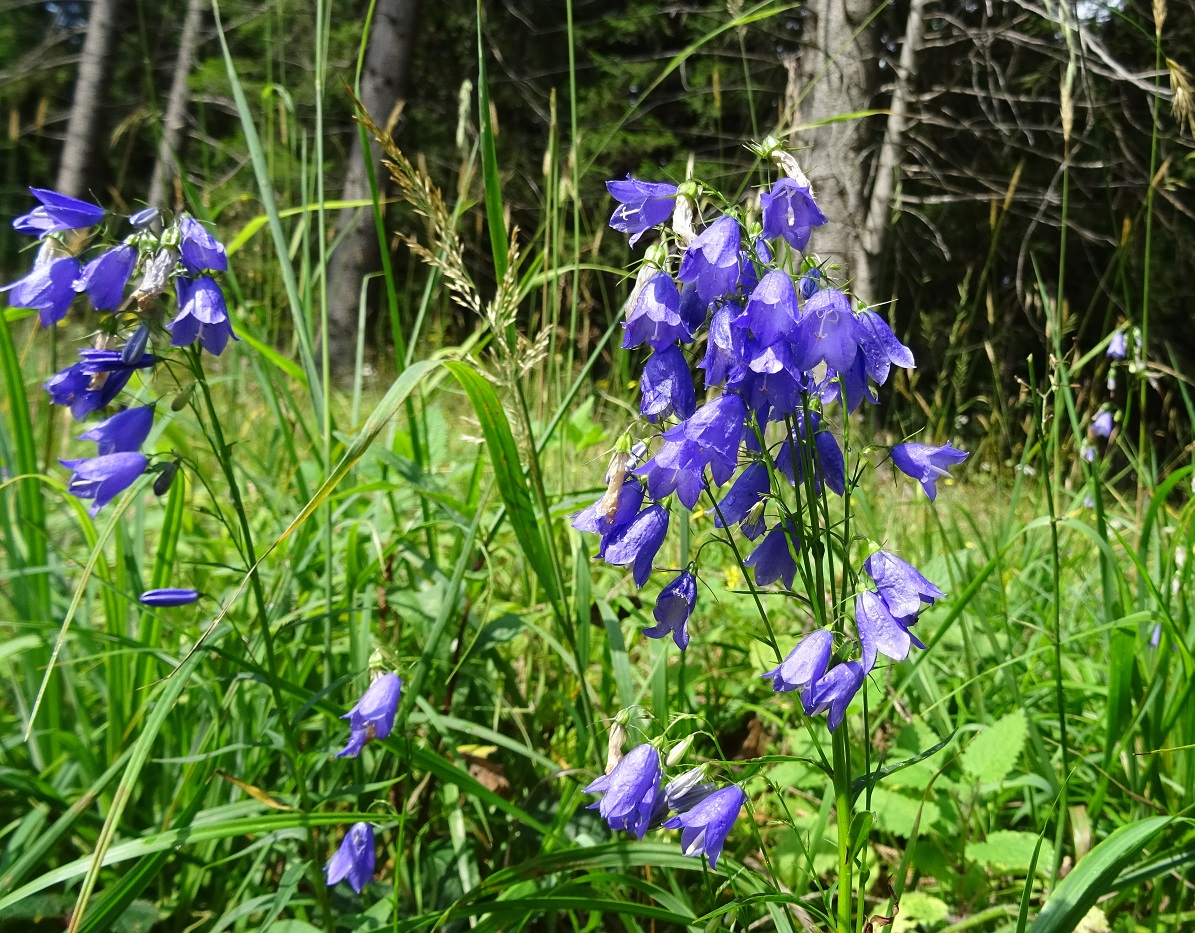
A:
(95, 64)
(837, 75)
(383, 84)
(165, 167)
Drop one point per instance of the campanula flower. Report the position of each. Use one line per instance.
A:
(772, 558)
(725, 345)
(705, 827)
(49, 288)
(201, 252)
(926, 464)
(693, 310)
(712, 260)
(834, 692)
(771, 380)
(1102, 424)
(828, 332)
(829, 465)
(667, 385)
(806, 663)
(880, 631)
(811, 281)
(373, 716)
(1118, 346)
(715, 432)
(144, 217)
(202, 314)
(629, 791)
(772, 308)
(168, 597)
(789, 211)
(686, 791)
(611, 513)
(123, 432)
(880, 347)
(654, 317)
(105, 277)
(642, 205)
(93, 382)
(747, 492)
(57, 214)
(673, 608)
(900, 585)
(354, 859)
(678, 467)
(102, 479)
(639, 542)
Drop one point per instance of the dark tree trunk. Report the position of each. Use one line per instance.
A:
(383, 85)
(83, 130)
(165, 167)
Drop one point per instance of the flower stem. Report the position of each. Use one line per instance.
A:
(842, 806)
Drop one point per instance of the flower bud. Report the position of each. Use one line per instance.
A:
(787, 163)
(678, 752)
(618, 735)
(165, 479)
(135, 348)
(183, 398)
(682, 219)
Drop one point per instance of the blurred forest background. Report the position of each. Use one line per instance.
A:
(935, 134)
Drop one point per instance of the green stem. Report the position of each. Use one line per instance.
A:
(842, 805)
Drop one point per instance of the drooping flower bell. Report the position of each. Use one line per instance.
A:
(772, 558)
(1117, 346)
(642, 205)
(629, 791)
(805, 665)
(772, 312)
(667, 386)
(49, 289)
(1102, 424)
(900, 585)
(201, 252)
(741, 500)
(202, 315)
(828, 332)
(926, 464)
(354, 859)
(654, 316)
(93, 382)
(712, 260)
(674, 607)
(611, 513)
(102, 479)
(639, 542)
(834, 692)
(123, 432)
(881, 349)
(725, 345)
(105, 277)
(168, 597)
(373, 716)
(789, 211)
(58, 213)
(704, 828)
(880, 631)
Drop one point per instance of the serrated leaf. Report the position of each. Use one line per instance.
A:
(993, 753)
(919, 911)
(896, 813)
(1009, 853)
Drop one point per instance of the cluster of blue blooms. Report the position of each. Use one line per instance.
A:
(130, 282)
(783, 350)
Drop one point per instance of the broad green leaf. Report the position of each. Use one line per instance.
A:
(896, 813)
(993, 753)
(1005, 852)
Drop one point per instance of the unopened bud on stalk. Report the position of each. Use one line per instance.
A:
(678, 752)
(618, 735)
(683, 213)
(787, 163)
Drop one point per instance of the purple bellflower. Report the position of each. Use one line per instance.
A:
(789, 211)
(828, 462)
(1118, 346)
(900, 585)
(124, 432)
(354, 859)
(747, 492)
(880, 631)
(926, 464)
(772, 308)
(810, 283)
(57, 214)
(1102, 424)
(693, 310)
(881, 350)
(49, 288)
(642, 205)
(725, 346)
(94, 381)
(202, 314)
(611, 513)
(705, 827)
(105, 277)
(772, 558)
(712, 260)
(805, 665)
(168, 597)
(144, 217)
(674, 606)
(102, 479)
(654, 316)
(373, 716)
(629, 791)
(667, 385)
(828, 332)
(678, 467)
(201, 252)
(834, 692)
(638, 542)
(714, 434)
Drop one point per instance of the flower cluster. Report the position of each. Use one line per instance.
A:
(131, 282)
(633, 801)
(785, 356)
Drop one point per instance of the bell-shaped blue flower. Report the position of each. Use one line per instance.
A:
(1117, 346)
(693, 311)
(806, 663)
(926, 464)
(105, 277)
(772, 312)
(789, 211)
(743, 497)
(49, 289)
(712, 260)
(642, 205)
(772, 558)
(373, 716)
(123, 432)
(828, 332)
(93, 382)
(834, 692)
(611, 513)
(715, 431)
(880, 348)
(725, 345)
(667, 385)
(639, 542)
(1102, 424)
(629, 791)
(201, 252)
(57, 214)
(678, 467)
(704, 828)
(202, 314)
(674, 606)
(880, 631)
(900, 585)
(167, 597)
(811, 281)
(102, 479)
(144, 217)
(354, 859)
(654, 317)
